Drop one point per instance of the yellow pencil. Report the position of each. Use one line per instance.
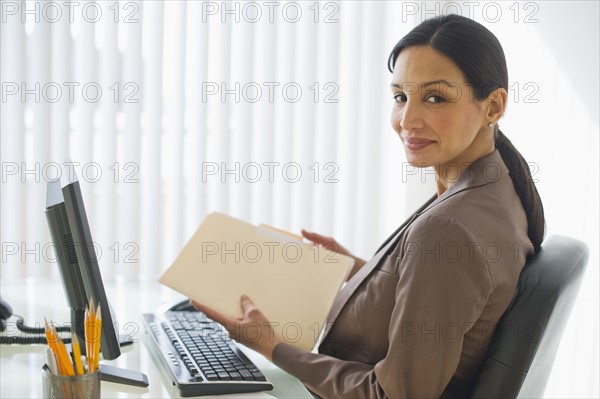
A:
(92, 309)
(76, 353)
(98, 328)
(64, 359)
(64, 370)
(88, 340)
(92, 337)
(51, 339)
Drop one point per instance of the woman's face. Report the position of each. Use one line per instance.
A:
(434, 111)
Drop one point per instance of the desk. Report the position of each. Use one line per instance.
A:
(21, 366)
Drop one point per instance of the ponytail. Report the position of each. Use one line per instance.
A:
(524, 186)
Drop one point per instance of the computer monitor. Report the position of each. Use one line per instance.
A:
(80, 273)
(78, 262)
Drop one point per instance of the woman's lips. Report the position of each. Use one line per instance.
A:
(415, 144)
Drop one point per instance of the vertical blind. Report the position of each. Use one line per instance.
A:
(273, 112)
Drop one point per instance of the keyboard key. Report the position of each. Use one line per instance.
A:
(224, 376)
(235, 376)
(246, 375)
(259, 376)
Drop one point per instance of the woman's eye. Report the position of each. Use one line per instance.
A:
(400, 97)
(434, 99)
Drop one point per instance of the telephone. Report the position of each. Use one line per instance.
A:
(5, 313)
(33, 335)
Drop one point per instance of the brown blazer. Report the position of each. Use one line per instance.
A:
(416, 320)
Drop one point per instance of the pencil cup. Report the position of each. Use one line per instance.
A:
(80, 386)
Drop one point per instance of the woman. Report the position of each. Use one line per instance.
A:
(416, 320)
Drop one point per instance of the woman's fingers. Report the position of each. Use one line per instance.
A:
(247, 304)
(332, 245)
(251, 312)
(252, 329)
(328, 242)
(248, 307)
(315, 236)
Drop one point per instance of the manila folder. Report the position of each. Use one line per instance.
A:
(293, 283)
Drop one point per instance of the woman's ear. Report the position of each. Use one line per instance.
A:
(496, 101)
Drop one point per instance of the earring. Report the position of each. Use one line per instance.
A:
(491, 125)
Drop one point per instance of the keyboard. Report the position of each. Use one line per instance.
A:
(198, 354)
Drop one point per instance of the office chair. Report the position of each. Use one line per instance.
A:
(522, 351)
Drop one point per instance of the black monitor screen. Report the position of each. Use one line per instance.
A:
(77, 259)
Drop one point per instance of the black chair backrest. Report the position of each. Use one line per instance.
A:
(520, 357)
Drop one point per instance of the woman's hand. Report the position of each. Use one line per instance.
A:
(331, 244)
(252, 329)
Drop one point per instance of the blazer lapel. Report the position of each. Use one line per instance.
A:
(403, 225)
(361, 275)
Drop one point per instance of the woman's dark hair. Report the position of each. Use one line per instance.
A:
(479, 55)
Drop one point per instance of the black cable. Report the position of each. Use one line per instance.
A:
(36, 330)
(27, 340)
(37, 336)
(22, 340)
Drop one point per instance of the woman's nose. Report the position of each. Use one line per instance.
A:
(411, 116)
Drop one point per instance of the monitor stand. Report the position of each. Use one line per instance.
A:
(125, 340)
(123, 376)
(119, 375)
(112, 373)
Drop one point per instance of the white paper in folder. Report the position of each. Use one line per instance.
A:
(293, 283)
